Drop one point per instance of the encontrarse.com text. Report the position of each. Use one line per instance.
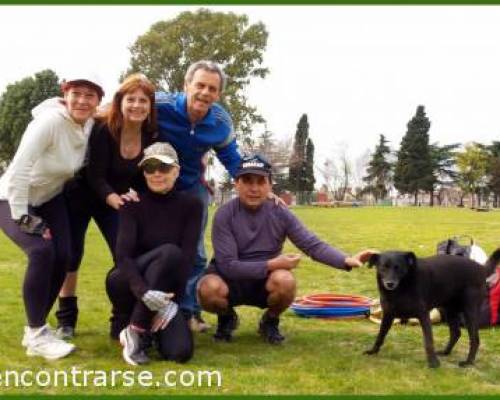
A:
(76, 377)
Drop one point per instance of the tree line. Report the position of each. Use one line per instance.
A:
(164, 52)
(420, 166)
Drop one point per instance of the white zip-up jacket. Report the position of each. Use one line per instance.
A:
(51, 150)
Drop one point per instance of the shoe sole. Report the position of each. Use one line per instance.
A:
(33, 353)
(123, 342)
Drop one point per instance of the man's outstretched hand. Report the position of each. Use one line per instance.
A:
(359, 259)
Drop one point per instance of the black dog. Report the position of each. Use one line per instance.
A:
(411, 287)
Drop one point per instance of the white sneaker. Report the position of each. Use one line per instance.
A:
(133, 347)
(31, 331)
(24, 342)
(42, 342)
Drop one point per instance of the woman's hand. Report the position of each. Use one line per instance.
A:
(155, 300)
(34, 225)
(114, 201)
(164, 316)
(131, 195)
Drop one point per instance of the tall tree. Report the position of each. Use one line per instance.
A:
(16, 104)
(414, 167)
(379, 169)
(298, 178)
(472, 166)
(309, 167)
(165, 52)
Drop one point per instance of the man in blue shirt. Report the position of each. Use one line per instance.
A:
(193, 123)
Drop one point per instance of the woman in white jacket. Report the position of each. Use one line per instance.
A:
(33, 211)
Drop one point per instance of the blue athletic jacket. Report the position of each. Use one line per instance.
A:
(215, 131)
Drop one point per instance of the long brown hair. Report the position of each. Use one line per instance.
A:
(113, 115)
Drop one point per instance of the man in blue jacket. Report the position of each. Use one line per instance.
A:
(193, 123)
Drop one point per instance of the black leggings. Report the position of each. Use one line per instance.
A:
(160, 269)
(84, 205)
(47, 259)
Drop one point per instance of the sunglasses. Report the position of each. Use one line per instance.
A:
(151, 167)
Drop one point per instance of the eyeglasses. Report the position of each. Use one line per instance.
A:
(151, 167)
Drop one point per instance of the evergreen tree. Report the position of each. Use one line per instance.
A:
(309, 166)
(414, 167)
(16, 104)
(379, 170)
(298, 173)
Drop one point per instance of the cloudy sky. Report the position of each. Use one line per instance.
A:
(357, 71)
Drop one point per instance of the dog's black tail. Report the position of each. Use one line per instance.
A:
(492, 262)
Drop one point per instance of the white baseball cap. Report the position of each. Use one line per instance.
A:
(86, 77)
(161, 151)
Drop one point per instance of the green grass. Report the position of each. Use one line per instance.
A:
(318, 357)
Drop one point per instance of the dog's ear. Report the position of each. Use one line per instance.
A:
(411, 259)
(373, 260)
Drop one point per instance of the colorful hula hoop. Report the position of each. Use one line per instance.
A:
(332, 306)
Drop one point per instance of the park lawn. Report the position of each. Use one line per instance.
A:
(319, 356)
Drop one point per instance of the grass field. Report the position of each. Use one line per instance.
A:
(318, 357)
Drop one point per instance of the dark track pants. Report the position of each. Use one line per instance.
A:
(48, 260)
(84, 205)
(160, 269)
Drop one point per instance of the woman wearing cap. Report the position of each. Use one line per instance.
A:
(155, 250)
(33, 211)
(116, 146)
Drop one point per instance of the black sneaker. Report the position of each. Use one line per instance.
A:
(65, 332)
(269, 330)
(226, 324)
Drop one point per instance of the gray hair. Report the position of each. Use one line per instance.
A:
(208, 66)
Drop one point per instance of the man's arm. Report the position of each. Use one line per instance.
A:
(228, 154)
(311, 245)
(227, 150)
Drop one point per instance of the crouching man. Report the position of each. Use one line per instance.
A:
(249, 268)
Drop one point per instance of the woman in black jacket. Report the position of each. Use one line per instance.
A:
(155, 250)
(116, 145)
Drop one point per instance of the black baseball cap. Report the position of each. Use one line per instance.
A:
(254, 164)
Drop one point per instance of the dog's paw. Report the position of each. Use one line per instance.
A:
(370, 352)
(465, 363)
(443, 353)
(434, 363)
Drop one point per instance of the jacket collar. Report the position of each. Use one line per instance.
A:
(181, 108)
